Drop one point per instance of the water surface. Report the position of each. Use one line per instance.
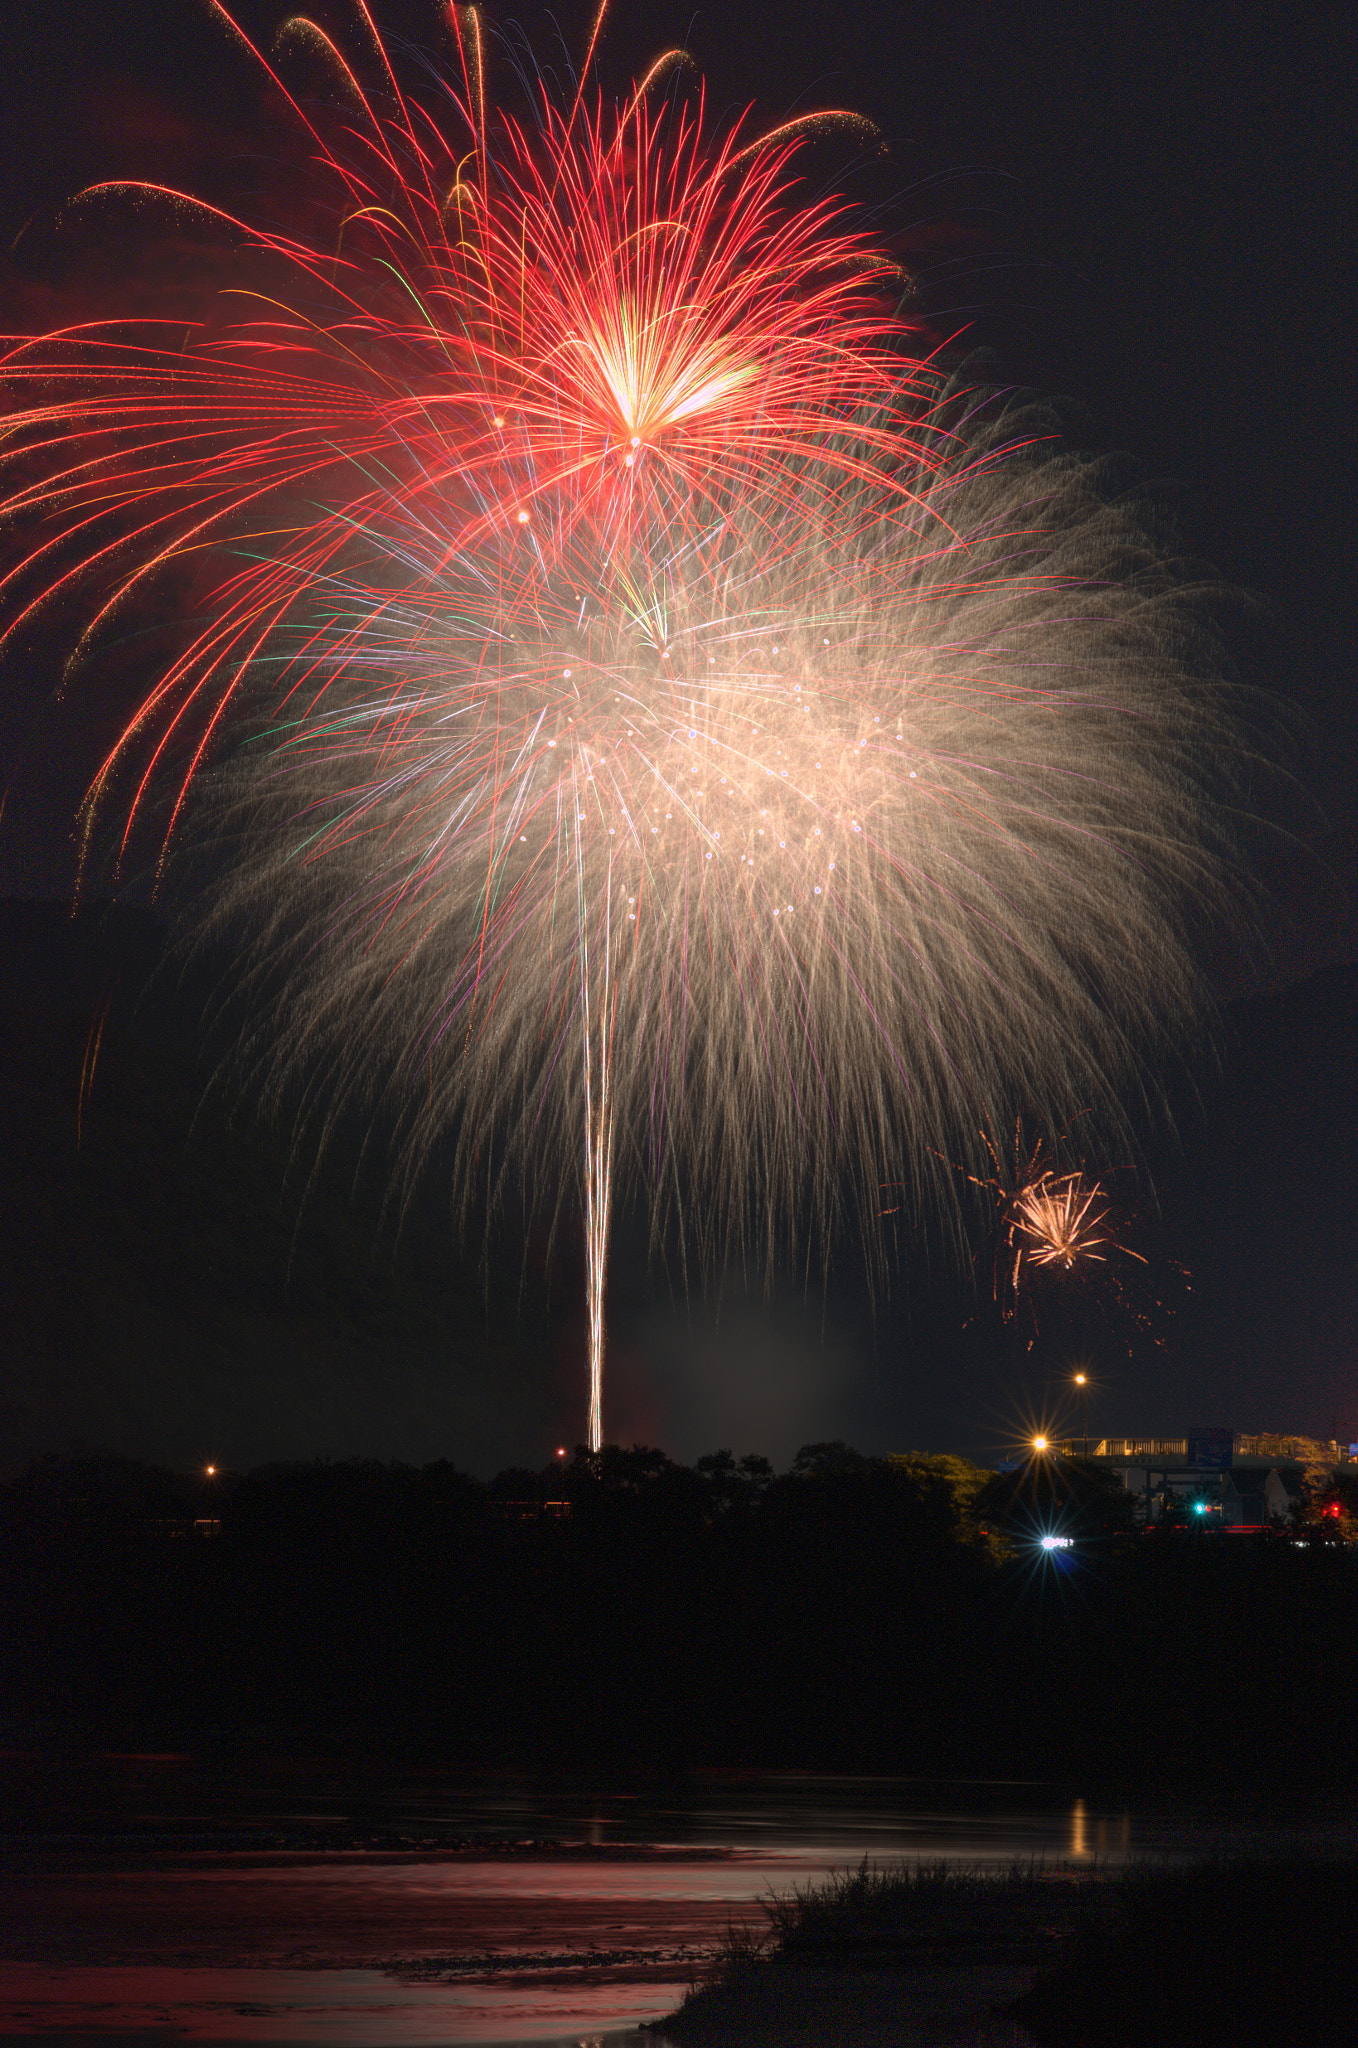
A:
(154, 1899)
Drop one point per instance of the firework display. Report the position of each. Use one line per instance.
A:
(651, 727)
(1061, 1234)
(1059, 1220)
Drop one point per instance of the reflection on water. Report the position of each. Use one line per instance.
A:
(159, 1901)
(1077, 1829)
(341, 2008)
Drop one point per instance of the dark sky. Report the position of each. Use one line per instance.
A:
(1145, 208)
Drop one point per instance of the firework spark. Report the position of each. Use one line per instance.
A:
(642, 699)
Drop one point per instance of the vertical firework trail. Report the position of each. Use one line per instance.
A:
(597, 1013)
(624, 691)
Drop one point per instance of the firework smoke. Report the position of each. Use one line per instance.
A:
(646, 706)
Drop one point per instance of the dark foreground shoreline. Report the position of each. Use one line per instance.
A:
(928, 1954)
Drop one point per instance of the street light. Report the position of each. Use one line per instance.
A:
(1082, 1382)
(1039, 1443)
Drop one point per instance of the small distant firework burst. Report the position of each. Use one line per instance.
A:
(1058, 1220)
(1060, 1230)
(646, 716)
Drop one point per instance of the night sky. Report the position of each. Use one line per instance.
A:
(1144, 209)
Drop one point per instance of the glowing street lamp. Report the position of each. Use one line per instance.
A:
(1039, 1443)
(1082, 1382)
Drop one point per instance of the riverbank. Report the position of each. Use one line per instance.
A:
(1064, 1958)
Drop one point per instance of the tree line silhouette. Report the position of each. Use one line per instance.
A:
(622, 1611)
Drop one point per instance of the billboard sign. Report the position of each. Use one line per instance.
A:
(1211, 1447)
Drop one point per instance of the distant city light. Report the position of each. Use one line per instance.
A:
(1039, 1443)
(1058, 1542)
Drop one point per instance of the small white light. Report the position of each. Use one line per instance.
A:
(912, 772)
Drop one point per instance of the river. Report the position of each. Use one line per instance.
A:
(147, 1899)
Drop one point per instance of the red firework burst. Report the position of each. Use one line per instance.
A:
(604, 323)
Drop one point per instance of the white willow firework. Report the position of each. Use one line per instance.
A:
(762, 865)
